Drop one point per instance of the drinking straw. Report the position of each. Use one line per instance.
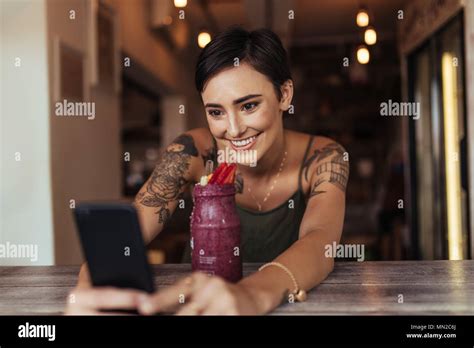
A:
(224, 174)
(215, 175)
(209, 167)
(231, 177)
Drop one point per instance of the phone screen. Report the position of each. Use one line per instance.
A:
(113, 245)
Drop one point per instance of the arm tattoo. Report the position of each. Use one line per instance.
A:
(314, 190)
(329, 159)
(168, 178)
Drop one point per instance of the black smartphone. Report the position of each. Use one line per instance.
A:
(113, 245)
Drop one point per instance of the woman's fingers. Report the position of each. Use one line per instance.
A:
(170, 298)
(191, 308)
(225, 304)
(193, 295)
(213, 298)
(108, 298)
(215, 309)
(91, 300)
(204, 296)
(167, 299)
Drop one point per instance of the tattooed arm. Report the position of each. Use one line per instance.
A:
(182, 163)
(326, 171)
(331, 165)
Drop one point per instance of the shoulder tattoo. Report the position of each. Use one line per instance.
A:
(332, 165)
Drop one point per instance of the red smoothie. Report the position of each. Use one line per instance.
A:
(215, 232)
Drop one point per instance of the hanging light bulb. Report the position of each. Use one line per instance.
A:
(370, 36)
(180, 3)
(363, 55)
(203, 38)
(362, 18)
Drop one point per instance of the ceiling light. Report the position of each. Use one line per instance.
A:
(180, 3)
(363, 55)
(370, 36)
(362, 18)
(203, 38)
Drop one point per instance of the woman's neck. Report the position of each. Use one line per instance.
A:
(269, 164)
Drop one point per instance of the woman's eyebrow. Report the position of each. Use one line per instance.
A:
(210, 105)
(247, 97)
(235, 102)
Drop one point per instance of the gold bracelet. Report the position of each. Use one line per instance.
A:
(298, 294)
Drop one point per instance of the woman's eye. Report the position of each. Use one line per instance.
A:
(214, 113)
(249, 106)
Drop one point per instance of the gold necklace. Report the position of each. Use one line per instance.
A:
(271, 187)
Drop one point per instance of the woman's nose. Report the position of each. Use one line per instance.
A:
(234, 128)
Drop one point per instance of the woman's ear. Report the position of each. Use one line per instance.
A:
(286, 95)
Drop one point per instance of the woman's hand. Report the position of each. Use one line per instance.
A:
(201, 294)
(193, 295)
(91, 301)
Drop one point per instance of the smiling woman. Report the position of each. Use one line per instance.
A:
(290, 201)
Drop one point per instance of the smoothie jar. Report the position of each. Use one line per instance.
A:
(215, 232)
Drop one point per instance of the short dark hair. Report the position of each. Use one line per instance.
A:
(262, 49)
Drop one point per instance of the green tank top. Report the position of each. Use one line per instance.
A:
(265, 235)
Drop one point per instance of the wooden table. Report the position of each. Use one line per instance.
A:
(365, 288)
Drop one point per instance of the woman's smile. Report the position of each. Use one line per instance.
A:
(245, 143)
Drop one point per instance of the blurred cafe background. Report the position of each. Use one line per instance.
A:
(410, 193)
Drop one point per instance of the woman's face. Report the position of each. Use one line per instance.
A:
(243, 110)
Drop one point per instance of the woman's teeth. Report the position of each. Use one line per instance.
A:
(245, 142)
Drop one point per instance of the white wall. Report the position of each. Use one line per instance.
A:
(25, 186)
(85, 154)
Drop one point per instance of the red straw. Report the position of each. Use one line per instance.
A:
(219, 169)
(224, 173)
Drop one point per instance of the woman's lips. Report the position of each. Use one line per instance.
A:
(244, 144)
